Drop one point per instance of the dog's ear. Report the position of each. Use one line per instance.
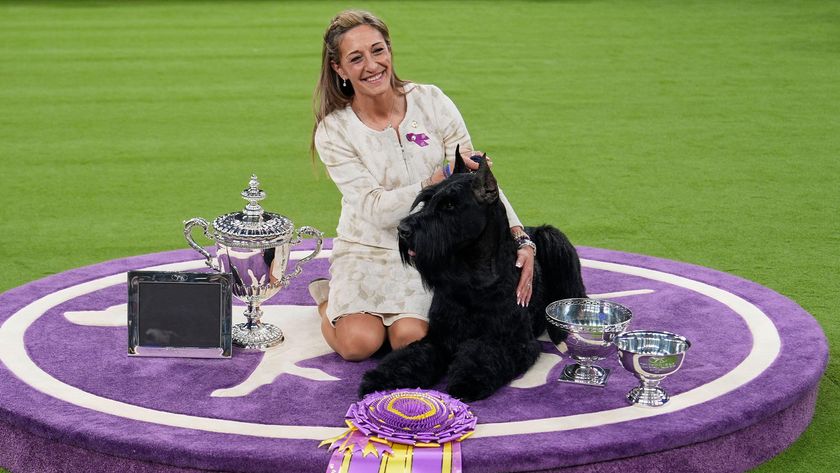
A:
(460, 166)
(484, 185)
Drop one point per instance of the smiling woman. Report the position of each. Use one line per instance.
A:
(382, 140)
(694, 131)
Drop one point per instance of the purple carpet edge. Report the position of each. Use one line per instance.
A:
(83, 274)
(745, 449)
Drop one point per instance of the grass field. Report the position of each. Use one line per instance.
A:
(706, 132)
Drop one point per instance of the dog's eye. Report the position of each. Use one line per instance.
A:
(448, 205)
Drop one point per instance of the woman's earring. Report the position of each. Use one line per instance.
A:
(344, 87)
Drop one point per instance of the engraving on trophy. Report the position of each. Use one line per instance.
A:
(254, 245)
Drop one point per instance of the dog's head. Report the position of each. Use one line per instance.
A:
(448, 218)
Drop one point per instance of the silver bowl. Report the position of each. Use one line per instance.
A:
(585, 329)
(650, 356)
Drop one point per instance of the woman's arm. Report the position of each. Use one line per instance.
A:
(360, 190)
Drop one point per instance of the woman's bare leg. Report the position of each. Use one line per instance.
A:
(355, 337)
(406, 330)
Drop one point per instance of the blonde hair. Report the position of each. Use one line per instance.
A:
(329, 94)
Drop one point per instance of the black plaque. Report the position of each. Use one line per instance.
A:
(179, 314)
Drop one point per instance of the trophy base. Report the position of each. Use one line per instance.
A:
(647, 396)
(585, 375)
(256, 337)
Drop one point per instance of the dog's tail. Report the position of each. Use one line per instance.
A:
(559, 264)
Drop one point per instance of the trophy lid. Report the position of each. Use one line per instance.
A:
(253, 226)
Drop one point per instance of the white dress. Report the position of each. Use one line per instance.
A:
(379, 177)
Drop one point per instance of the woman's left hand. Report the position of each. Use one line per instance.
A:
(525, 260)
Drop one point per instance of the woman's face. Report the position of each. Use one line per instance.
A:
(365, 60)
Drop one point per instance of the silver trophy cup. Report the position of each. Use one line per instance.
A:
(650, 356)
(254, 246)
(585, 329)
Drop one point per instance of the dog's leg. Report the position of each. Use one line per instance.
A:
(480, 367)
(420, 364)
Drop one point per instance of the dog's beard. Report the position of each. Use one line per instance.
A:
(415, 258)
(406, 252)
(429, 252)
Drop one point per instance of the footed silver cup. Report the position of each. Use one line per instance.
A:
(650, 356)
(254, 246)
(585, 329)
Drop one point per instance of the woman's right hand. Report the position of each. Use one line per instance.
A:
(467, 154)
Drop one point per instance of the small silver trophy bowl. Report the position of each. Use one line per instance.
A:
(254, 246)
(650, 356)
(585, 329)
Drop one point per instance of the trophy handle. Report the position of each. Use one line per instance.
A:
(188, 225)
(314, 233)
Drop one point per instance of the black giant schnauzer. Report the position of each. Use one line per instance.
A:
(458, 238)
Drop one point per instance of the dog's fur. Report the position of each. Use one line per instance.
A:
(458, 238)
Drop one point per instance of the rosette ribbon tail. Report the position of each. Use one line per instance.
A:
(340, 439)
(353, 441)
(444, 458)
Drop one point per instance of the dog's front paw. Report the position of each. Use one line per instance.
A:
(373, 381)
(468, 390)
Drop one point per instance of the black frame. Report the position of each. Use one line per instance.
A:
(181, 348)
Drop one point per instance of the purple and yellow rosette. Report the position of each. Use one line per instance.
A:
(407, 430)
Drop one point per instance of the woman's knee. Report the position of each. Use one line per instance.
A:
(359, 336)
(406, 330)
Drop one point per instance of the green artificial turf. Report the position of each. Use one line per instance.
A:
(703, 131)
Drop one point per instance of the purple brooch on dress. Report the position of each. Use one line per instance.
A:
(421, 139)
(415, 427)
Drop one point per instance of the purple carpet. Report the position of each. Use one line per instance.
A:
(72, 400)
